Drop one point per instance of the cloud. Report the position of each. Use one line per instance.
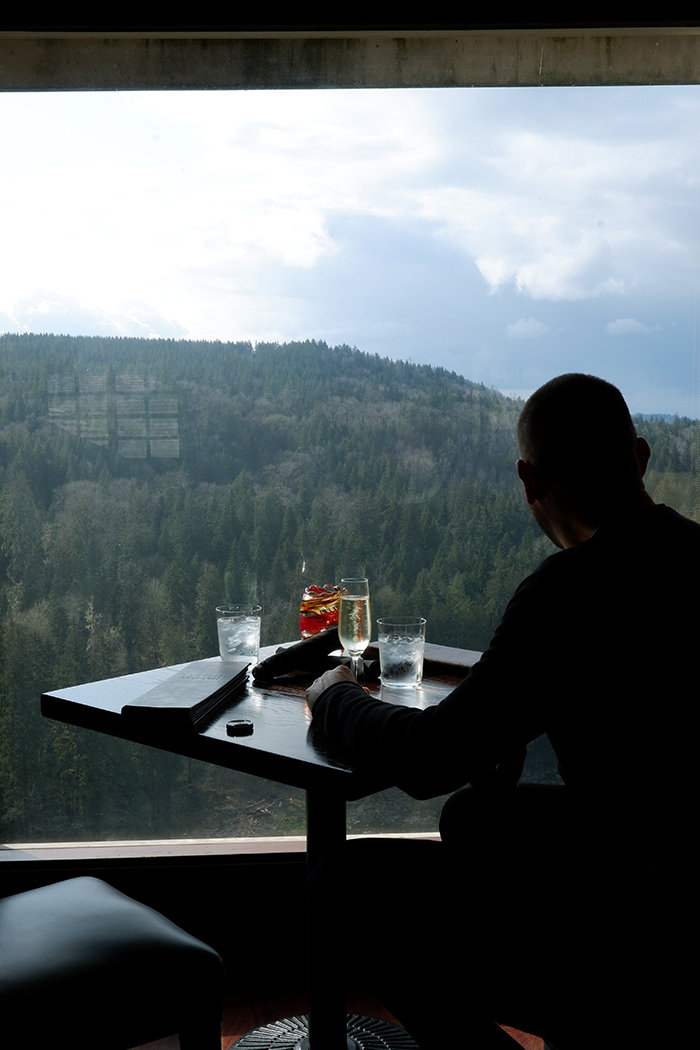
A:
(548, 251)
(9, 323)
(52, 311)
(627, 326)
(149, 321)
(600, 203)
(409, 222)
(527, 328)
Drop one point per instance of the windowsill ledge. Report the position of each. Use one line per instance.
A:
(175, 848)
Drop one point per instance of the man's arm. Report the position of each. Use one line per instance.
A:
(426, 752)
(477, 733)
(342, 673)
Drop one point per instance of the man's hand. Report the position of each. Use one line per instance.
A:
(342, 673)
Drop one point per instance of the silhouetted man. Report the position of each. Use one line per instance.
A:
(557, 911)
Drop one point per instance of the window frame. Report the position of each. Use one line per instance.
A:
(114, 57)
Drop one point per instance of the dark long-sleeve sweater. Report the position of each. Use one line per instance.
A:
(595, 649)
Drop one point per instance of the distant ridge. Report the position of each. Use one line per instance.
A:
(667, 417)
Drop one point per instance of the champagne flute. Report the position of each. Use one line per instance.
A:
(354, 624)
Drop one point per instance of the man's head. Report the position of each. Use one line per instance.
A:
(579, 451)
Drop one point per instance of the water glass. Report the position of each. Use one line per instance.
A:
(239, 631)
(401, 648)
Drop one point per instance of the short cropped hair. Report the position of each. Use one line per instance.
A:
(578, 432)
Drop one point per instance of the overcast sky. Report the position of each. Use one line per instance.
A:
(506, 234)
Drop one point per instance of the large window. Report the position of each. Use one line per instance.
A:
(254, 340)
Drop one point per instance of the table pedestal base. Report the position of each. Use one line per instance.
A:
(364, 1033)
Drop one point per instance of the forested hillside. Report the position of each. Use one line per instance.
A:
(142, 482)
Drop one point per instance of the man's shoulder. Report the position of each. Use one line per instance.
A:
(656, 529)
(648, 528)
(665, 517)
(653, 517)
(641, 542)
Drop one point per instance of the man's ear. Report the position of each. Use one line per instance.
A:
(528, 476)
(643, 454)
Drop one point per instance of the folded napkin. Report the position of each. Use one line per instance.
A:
(309, 657)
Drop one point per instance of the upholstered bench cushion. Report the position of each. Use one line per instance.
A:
(80, 956)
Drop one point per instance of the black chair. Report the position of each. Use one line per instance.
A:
(99, 969)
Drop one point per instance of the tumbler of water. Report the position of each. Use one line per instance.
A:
(401, 648)
(239, 632)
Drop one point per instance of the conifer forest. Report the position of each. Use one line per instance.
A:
(143, 482)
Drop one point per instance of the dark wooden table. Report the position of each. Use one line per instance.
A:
(285, 746)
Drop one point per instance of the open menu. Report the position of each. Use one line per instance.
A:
(188, 698)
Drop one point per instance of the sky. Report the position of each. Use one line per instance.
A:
(506, 234)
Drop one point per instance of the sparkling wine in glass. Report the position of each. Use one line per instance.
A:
(354, 624)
